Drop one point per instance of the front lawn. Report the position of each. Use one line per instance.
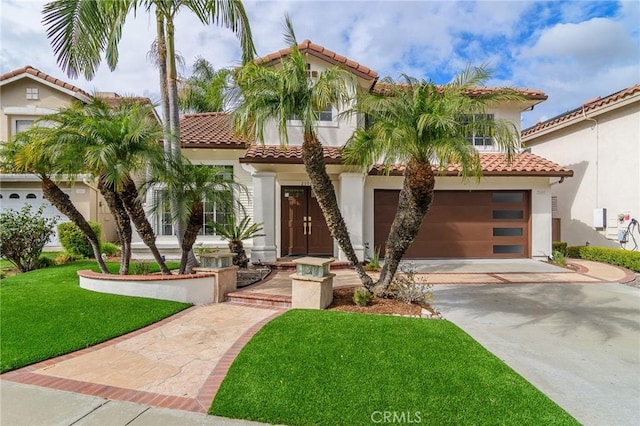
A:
(334, 368)
(44, 313)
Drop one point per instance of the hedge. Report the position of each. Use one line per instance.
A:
(559, 246)
(74, 241)
(618, 257)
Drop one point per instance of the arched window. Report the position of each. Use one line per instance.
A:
(14, 196)
(31, 196)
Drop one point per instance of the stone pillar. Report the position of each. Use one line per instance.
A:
(351, 206)
(264, 210)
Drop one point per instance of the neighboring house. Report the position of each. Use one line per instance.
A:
(600, 142)
(25, 95)
(506, 215)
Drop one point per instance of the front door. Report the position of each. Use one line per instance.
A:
(304, 230)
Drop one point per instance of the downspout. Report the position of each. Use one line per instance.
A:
(584, 114)
(97, 196)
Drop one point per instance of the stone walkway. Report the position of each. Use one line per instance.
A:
(176, 363)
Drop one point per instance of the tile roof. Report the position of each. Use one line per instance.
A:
(286, 154)
(589, 106)
(325, 54)
(114, 101)
(523, 164)
(531, 94)
(28, 69)
(209, 130)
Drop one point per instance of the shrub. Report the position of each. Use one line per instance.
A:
(362, 297)
(373, 263)
(560, 246)
(44, 262)
(23, 235)
(141, 268)
(558, 258)
(65, 257)
(408, 288)
(110, 249)
(74, 241)
(618, 257)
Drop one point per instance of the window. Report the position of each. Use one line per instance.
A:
(22, 125)
(479, 137)
(507, 197)
(554, 204)
(32, 93)
(31, 196)
(311, 73)
(213, 212)
(325, 115)
(14, 196)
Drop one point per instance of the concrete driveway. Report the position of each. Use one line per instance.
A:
(577, 343)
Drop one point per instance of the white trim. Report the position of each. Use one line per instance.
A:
(28, 177)
(76, 95)
(29, 110)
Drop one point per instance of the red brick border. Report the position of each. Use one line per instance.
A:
(199, 404)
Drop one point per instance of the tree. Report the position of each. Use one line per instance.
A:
(275, 94)
(235, 232)
(81, 31)
(26, 153)
(193, 185)
(204, 91)
(423, 126)
(113, 143)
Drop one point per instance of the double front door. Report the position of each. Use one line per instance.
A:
(304, 230)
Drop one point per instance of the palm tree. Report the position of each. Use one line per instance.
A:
(235, 232)
(81, 31)
(113, 143)
(26, 153)
(194, 185)
(204, 91)
(421, 125)
(275, 94)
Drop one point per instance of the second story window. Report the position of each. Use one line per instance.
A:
(323, 116)
(32, 93)
(480, 137)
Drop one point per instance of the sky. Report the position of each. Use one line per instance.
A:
(573, 51)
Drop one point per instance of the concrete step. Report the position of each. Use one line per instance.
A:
(259, 299)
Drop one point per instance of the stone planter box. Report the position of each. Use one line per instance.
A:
(198, 289)
(216, 260)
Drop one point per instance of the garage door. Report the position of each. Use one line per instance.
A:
(15, 199)
(463, 224)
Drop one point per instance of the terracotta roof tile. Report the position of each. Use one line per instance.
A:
(209, 130)
(589, 106)
(28, 69)
(524, 164)
(325, 54)
(532, 94)
(286, 154)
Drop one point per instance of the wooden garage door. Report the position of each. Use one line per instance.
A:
(463, 224)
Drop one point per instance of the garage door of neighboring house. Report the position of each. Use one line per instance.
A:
(463, 224)
(16, 198)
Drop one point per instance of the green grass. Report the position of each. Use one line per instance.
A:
(44, 313)
(334, 368)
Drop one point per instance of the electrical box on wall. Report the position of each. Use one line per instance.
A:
(599, 218)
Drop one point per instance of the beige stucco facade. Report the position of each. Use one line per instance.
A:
(602, 146)
(25, 97)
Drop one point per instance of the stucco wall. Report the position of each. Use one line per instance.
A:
(605, 159)
(13, 95)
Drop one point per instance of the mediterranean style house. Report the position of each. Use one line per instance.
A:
(506, 215)
(25, 95)
(600, 142)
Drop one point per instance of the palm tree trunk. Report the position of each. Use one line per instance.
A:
(326, 196)
(415, 198)
(164, 90)
(131, 202)
(123, 224)
(61, 201)
(194, 225)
